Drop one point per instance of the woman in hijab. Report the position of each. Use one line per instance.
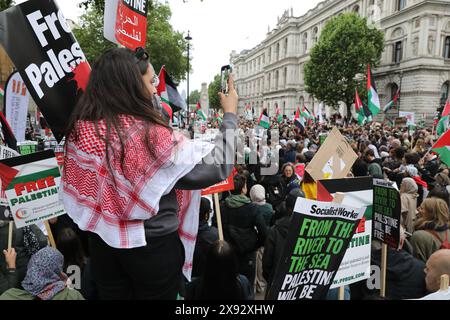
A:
(45, 279)
(408, 195)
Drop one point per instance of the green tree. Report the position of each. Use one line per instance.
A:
(345, 48)
(194, 97)
(213, 90)
(5, 4)
(164, 45)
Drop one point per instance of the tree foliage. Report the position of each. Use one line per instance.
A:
(194, 97)
(164, 45)
(213, 93)
(345, 48)
(5, 4)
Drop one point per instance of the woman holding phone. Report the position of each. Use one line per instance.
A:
(128, 179)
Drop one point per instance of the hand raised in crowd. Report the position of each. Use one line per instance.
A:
(229, 102)
(10, 257)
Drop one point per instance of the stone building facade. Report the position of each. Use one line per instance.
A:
(416, 56)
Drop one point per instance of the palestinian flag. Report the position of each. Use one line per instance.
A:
(373, 101)
(2, 92)
(306, 114)
(168, 92)
(298, 120)
(359, 109)
(442, 147)
(6, 133)
(217, 118)
(264, 120)
(199, 112)
(443, 124)
(393, 103)
(167, 110)
(278, 115)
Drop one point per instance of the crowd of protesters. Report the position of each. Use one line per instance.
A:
(137, 253)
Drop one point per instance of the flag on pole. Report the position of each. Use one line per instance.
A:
(307, 114)
(392, 103)
(278, 115)
(443, 124)
(298, 120)
(200, 112)
(442, 147)
(6, 133)
(373, 101)
(168, 92)
(264, 120)
(359, 109)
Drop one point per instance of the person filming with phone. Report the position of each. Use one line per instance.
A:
(128, 179)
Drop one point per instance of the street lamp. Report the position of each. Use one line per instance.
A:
(188, 38)
(400, 90)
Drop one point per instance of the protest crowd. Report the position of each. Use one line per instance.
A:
(136, 225)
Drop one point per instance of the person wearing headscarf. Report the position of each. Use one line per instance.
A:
(45, 279)
(408, 196)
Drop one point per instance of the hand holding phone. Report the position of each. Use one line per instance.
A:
(229, 102)
(225, 72)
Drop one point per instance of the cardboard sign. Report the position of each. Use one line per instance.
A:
(318, 237)
(33, 191)
(334, 159)
(225, 185)
(125, 22)
(16, 105)
(42, 47)
(386, 213)
(358, 192)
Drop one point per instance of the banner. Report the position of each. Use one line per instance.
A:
(5, 153)
(16, 105)
(358, 192)
(222, 186)
(410, 117)
(41, 45)
(318, 237)
(386, 213)
(125, 22)
(32, 192)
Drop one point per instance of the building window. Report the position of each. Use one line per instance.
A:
(447, 48)
(285, 76)
(401, 4)
(398, 52)
(445, 92)
(277, 75)
(305, 42)
(278, 52)
(285, 47)
(315, 35)
(356, 9)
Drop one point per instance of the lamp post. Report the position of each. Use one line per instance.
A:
(188, 38)
(400, 89)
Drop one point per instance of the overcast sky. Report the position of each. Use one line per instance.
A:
(217, 27)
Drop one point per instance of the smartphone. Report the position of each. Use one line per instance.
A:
(224, 75)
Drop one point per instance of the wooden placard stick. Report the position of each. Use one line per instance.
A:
(10, 234)
(218, 216)
(50, 234)
(444, 283)
(384, 250)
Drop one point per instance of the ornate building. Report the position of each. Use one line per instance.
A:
(416, 57)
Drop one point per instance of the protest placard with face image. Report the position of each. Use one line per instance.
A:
(316, 243)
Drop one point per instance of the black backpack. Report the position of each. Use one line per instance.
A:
(275, 189)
